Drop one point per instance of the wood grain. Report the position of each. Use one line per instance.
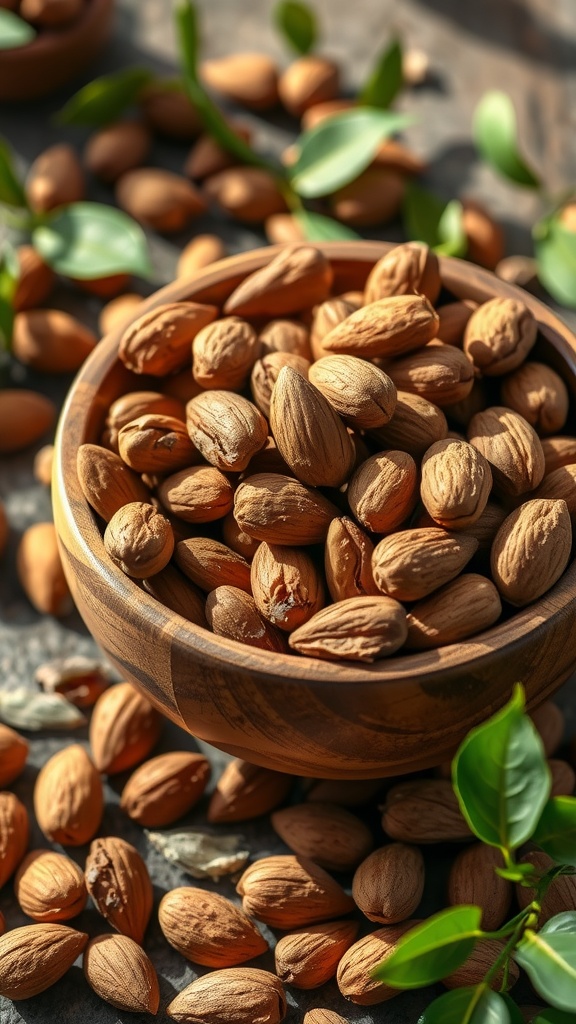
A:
(293, 714)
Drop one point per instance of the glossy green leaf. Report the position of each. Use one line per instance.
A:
(340, 148)
(477, 1005)
(105, 99)
(516, 1017)
(9, 273)
(14, 31)
(501, 777)
(297, 23)
(555, 251)
(556, 830)
(11, 191)
(90, 240)
(518, 873)
(433, 949)
(434, 221)
(318, 228)
(385, 80)
(213, 120)
(549, 960)
(565, 922)
(452, 239)
(551, 1016)
(495, 134)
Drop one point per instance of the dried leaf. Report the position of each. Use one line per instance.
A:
(25, 709)
(201, 854)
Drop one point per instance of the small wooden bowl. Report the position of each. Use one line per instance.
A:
(55, 56)
(293, 714)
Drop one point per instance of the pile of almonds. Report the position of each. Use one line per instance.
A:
(340, 476)
(323, 922)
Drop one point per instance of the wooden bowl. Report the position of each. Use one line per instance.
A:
(55, 56)
(294, 714)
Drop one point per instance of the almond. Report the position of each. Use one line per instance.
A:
(519, 270)
(156, 444)
(68, 798)
(118, 971)
(348, 561)
(200, 252)
(207, 157)
(14, 832)
(24, 417)
(139, 540)
(531, 550)
(210, 564)
(357, 629)
(475, 968)
(226, 428)
(327, 316)
(511, 446)
(35, 281)
(453, 319)
(43, 465)
(486, 527)
(408, 269)
(40, 571)
(563, 778)
(250, 79)
(424, 811)
(248, 194)
(123, 730)
(297, 278)
(411, 564)
(236, 539)
(325, 833)
(106, 482)
(283, 228)
(245, 791)
(236, 995)
(165, 788)
(374, 197)
(291, 892)
(173, 590)
(473, 880)
(286, 585)
(233, 614)
(549, 721)
(321, 1016)
(384, 490)
(280, 510)
(51, 341)
(208, 929)
(354, 974)
(387, 327)
(499, 335)
(197, 495)
(158, 198)
(169, 111)
(484, 235)
(159, 342)
(79, 679)
(50, 886)
(323, 111)
(118, 312)
(36, 956)
(415, 425)
(54, 179)
(223, 354)
(560, 484)
(558, 451)
(265, 374)
(560, 897)
(119, 884)
(440, 373)
(358, 391)
(539, 394)
(388, 885)
(456, 483)
(308, 80)
(286, 336)
(267, 461)
(13, 755)
(309, 957)
(117, 148)
(456, 611)
(51, 13)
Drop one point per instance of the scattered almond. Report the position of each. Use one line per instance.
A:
(118, 971)
(36, 956)
(119, 884)
(473, 880)
(388, 885)
(327, 834)
(355, 968)
(14, 832)
(291, 892)
(68, 798)
(40, 571)
(243, 995)
(165, 788)
(208, 929)
(13, 755)
(424, 811)
(309, 958)
(123, 730)
(245, 791)
(50, 887)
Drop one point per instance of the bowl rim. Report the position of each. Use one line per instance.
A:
(204, 647)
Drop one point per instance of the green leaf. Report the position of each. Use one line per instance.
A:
(451, 234)
(549, 1016)
(11, 191)
(433, 949)
(477, 1005)
(385, 80)
(318, 228)
(549, 960)
(298, 25)
(495, 135)
(14, 31)
(340, 148)
(105, 99)
(501, 777)
(429, 219)
(90, 240)
(518, 873)
(9, 274)
(556, 831)
(516, 1017)
(565, 922)
(555, 251)
(214, 122)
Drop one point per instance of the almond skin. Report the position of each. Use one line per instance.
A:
(558, 451)
(474, 969)
(14, 832)
(197, 495)
(158, 198)
(119, 884)
(473, 880)
(286, 585)
(139, 540)
(135, 404)
(291, 892)
(106, 482)
(223, 354)
(169, 112)
(374, 197)
(357, 629)
(325, 833)
(13, 755)
(207, 157)
(50, 887)
(461, 608)
(24, 417)
(265, 374)
(308, 958)
(297, 278)
(250, 79)
(286, 336)
(308, 80)
(499, 335)
(36, 956)
(387, 327)
(321, 1016)
(560, 485)
(539, 394)
(356, 966)
(51, 341)
(411, 564)
(210, 564)
(117, 148)
(440, 373)
(201, 251)
(384, 491)
(233, 614)
(118, 971)
(165, 788)
(387, 886)
(159, 341)
(241, 995)
(348, 561)
(456, 483)
(249, 194)
(208, 929)
(236, 539)
(226, 429)
(411, 268)
(561, 895)
(424, 811)
(563, 778)
(280, 510)
(453, 319)
(68, 798)
(358, 391)
(54, 179)
(531, 550)
(511, 446)
(173, 590)
(35, 282)
(156, 444)
(327, 316)
(123, 730)
(40, 571)
(415, 425)
(245, 791)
